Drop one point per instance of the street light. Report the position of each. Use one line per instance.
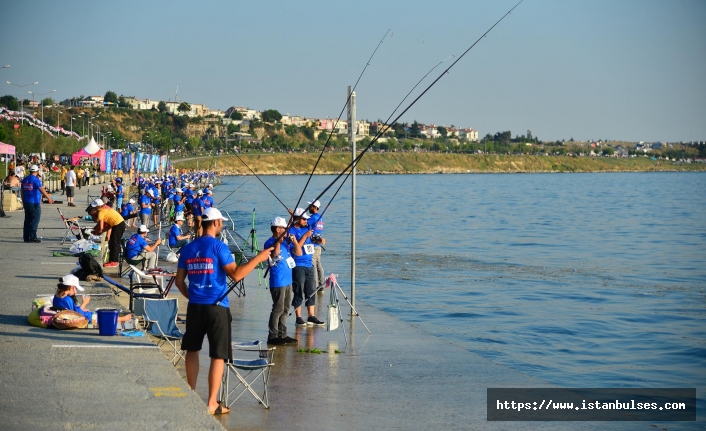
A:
(72, 123)
(21, 87)
(5, 67)
(42, 102)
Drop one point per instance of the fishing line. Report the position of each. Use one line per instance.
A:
(387, 126)
(263, 183)
(348, 99)
(223, 200)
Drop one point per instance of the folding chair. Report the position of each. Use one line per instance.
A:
(249, 372)
(160, 322)
(72, 229)
(123, 257)
(140, 288)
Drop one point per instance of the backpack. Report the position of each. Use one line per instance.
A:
(89, 266)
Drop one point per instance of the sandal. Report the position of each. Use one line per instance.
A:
(220, 410)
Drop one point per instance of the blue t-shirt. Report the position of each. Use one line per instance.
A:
(174, 232)
(305, 259)
(280, 272)
(135, 245)
(317, 223)
(189, 195)
(119, 191)
(178, 207)
(197, 207)
(30, 186)
(127, 209)
(207, 202)
(68, 303)
(204, 259)
(145, 199)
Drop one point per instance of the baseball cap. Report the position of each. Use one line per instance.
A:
(97, 203)
(143, 229)
(316, 203)
(179, 190)
(71, 280)
(150, 192)
(299, 212)
(131, 201)
(110, 188)
(210, 185)
(179, 217)
(212, 214)
(34, 168)
(200, 192)
(279, 222)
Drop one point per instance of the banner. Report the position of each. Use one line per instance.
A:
(108, 161)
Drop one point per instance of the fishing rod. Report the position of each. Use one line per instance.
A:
(388, 126)
(223, 200)
(348, 99)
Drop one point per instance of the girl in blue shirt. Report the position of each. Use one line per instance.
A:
(64, 299)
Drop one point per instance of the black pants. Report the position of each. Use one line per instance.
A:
(33, 212)
(116, 235)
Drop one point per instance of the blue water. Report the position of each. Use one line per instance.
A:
(582, 280)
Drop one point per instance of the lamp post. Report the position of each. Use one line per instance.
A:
(42, 102)
(108, 135)
(22, 104)
(72, 123)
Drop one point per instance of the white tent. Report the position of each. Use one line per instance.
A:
(92, 147)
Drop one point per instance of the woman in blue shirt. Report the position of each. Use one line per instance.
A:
(64, 299)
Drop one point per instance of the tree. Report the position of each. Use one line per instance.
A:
(232, 128)
(122, 102)
(442, 131)
(184, 107)
(162, 107)
(111, 98)
(608, 151)
(271, 116)
(48, 102)
(3, 134)
(10, 102)
(414, 131)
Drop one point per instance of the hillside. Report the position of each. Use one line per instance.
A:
(415, 163)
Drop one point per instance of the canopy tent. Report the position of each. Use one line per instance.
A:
(6, 149)
(90, 151)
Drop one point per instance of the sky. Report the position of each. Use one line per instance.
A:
(601, 69)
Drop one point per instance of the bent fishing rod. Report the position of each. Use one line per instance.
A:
(348, 99)
(388, 125)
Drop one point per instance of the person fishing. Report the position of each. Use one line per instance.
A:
(207, 262)
(316, 223)
(303, 272)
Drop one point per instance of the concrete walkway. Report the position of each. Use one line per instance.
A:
(397, 378)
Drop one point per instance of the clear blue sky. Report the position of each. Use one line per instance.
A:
(599, 69)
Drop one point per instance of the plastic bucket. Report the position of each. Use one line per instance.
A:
(107, 321)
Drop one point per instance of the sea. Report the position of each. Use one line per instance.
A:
(581, 279)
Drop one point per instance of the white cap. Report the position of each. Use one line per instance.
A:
(191, 186)
(200, 193)
(179, 190)
(299, 212)
(212, 214)
(209, 191)
(97, 203)
(278, 222)
(143, 229)
(210, 185)
(131, 201)
(316, 203)
(150, 192)
(110, 188)
(33, 168)
(71, 280)
(179, 217)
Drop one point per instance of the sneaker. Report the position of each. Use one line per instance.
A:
(275, 341)
(314, 321)
(320, 290)
(110, 264)
(301, 322)
(289, 340)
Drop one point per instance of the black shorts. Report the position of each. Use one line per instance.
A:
(69, 191)
(213, 321)
(187, 206)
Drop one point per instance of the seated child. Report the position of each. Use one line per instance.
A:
(64, 299)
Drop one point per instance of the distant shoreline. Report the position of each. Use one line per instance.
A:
(429, 163)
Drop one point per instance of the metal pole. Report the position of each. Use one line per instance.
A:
(351, 141)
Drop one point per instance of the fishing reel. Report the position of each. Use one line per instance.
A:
(316, 239)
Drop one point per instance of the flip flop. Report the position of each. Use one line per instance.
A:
(220, 410)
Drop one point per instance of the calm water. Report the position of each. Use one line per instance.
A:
(583, 280)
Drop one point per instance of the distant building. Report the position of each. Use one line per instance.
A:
(468, 134)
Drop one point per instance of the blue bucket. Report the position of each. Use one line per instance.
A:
(107, 321)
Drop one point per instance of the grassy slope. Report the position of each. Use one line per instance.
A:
(278, 164)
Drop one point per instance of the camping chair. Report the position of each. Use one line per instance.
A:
(249, 372)
(140, 288)
(128, 261)
(72, 229)
(160, 322)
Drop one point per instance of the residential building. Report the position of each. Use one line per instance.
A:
(468, 134)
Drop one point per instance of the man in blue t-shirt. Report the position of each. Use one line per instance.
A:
(176, 239)
(197, 211)
(316, 223)
(207, 200)
(207, 262)
(137, 247)
(146, 207)
(32, 191)
(119, 192)
(281, 264)
(179, 200)
(129, 212)
(303, 274)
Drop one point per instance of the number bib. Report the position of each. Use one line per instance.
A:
(308, 249)
(290, 262)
